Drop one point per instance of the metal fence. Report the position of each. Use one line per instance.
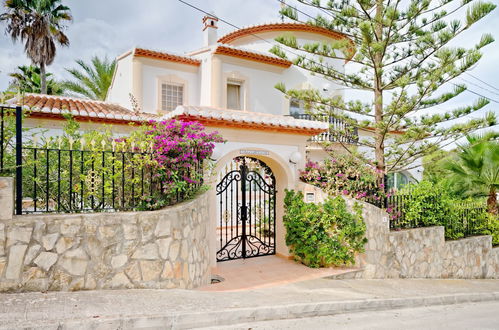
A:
(466, 218)
(85, 179)
(339, 130)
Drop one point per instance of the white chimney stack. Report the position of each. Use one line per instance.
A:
(210, 30)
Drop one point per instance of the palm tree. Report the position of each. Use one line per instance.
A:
(91, 80)
(28, 80)
(39, 25)
(474, 172)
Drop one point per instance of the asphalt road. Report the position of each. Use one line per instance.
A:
(456, 317)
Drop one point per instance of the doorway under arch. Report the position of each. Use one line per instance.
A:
(246, 202)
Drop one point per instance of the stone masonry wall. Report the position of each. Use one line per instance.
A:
(423, 252)
(158, 249)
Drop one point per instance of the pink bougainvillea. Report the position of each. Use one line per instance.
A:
(343, 175)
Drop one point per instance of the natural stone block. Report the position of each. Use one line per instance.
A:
(17, 234)
(119, 281)
(77, 284)
(48, 241)
(39, 230)
(147, 252)
(70, 227)
(133, 271)
(147, 227)
(130, 231)
(94, 246)
(3, 262)
(118, 261)
(32, 253)
(15, 262)
(164, 246)
(150, 270)
(90, 283)
(6, 198)
(75, 262)
(163, 227)
(167, 271)
(64, 244)
(2, 239)
(59, 281)
(177, 270)
(174, 250)
(46, 260)
(108, 235)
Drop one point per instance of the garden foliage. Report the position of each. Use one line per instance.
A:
(93, 170)
(343, 174)
(322, 235)
(428, 204)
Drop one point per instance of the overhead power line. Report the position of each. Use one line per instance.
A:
(483, 82)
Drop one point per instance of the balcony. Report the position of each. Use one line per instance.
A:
(350, 137)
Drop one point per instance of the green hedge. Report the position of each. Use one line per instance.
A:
(323, 235)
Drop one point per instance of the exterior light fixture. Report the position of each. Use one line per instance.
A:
(295, 157)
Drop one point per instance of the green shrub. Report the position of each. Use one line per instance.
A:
(491, 227)
(429, 204)
(322, 235)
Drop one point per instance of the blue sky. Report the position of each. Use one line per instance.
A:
(110, 27)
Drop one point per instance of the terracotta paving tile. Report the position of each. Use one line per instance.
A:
(265, 272)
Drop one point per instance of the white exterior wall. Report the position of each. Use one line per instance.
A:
(122, 83)
(153, 72)
(260, 94)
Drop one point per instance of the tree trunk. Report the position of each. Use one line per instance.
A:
(43, 79)
(492, 206)
(379, 134)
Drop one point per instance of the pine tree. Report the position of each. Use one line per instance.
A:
(402, 52)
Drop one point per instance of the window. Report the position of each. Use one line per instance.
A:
(396, 180)
(172, 95)
(296, 107)
(234, 95)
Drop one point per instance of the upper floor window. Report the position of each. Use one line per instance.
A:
(234, 95)
(296, 107)
(172, 95)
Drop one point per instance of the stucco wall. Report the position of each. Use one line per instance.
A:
(423, 252)
(158, 249)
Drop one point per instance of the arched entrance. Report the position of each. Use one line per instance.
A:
(246, 202)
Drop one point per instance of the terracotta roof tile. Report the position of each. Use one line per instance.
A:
(141, 52)
(54, 106)
(247, 120)
(252, 55)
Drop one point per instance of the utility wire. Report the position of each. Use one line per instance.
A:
(267, 41)
(483, 82)
(258, 37)
(476, 93)
(477, 85)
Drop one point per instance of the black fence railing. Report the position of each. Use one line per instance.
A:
(51, 178)
(339, 130)
(468, 217)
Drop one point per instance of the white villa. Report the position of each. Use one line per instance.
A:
(229, 86)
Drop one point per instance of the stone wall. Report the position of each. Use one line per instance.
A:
(157, 249)
(423, 252)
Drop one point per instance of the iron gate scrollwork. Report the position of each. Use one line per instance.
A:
(246, 197)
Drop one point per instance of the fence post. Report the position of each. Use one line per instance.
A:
(19, 160)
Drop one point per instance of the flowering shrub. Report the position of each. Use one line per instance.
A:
(343, 175)
(177, 147)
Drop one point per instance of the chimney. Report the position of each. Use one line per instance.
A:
(210, 30)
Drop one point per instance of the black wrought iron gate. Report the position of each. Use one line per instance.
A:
(246, 197)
